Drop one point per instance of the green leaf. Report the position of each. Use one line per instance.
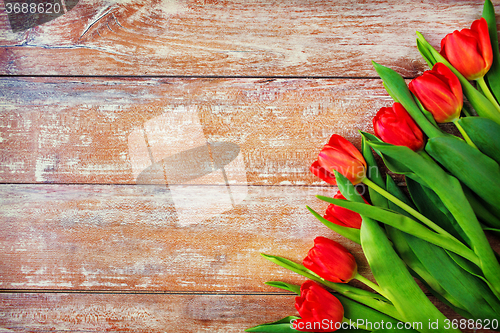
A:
(468, 164)
(405, 224)
(487, 294)
(451, 193)
(390, 271)
(426, 113)
(484, 211)
(286, 286)
(429, 59)
(493, 75)
(402, 241)
(349, 233)
(281, 326)
(356, 311)
(429, 204)
(392, 164)
(373, 173)
(485, 134)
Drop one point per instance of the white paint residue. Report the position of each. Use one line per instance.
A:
(85, 140)
(44, 166)
(110, 112)
(72, 161)
(15, 167)
(171, 7)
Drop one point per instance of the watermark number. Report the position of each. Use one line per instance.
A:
(33, 8)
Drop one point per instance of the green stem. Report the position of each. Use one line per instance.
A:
(370, 284)
(407, 208)
(487, 92)
(464, 133)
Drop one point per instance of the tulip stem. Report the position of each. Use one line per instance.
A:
(370, 284)
(487, 92)
(407, 208)
(464, 134)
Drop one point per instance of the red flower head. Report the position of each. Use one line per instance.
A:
(340, 155)
(469, 50)
(395, 126)
(343, 216)
(440, 93)
(319, 310)
(331, 261)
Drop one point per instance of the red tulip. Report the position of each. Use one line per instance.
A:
(319, 310)
(440, 93)
(340, 155)
(395, 126)
(343, 216)
(469, 50)
(331, 261)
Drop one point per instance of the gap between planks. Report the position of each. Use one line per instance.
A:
(263, 77)
(138, 292)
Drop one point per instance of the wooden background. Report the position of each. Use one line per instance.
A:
(108, 219)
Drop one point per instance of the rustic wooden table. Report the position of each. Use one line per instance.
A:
(150, 150)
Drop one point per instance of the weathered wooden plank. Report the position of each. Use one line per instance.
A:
(211, 37)
(109, 130)
(75, 312)
(139, 313)
(131, 237)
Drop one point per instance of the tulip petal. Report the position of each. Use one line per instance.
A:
(452, 80)
(480, 27)
(332, 158)
(469, 50)
(339, 141)
(349, 233)
(322, 173)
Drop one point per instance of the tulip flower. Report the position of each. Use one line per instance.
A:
(469, 50)
(440, 93)
(319, 310)
(331, 261)
(395, 126)
(342, 216)
(340, 155)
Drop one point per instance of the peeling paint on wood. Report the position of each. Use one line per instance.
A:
(258, 38)
(109, 237)
(63, 312)
(80, 130)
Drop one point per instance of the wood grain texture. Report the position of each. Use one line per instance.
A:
(216, 109)
(80, 130)
(109, 237)
(152, 313)
(212, 37)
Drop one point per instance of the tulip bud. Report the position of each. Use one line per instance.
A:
(440, 93)
(331, 261)
(319, 310)
(340, 155)
(343, 216)
(395, 126)
(469, 50)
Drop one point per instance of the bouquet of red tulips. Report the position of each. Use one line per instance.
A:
(434, 231)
